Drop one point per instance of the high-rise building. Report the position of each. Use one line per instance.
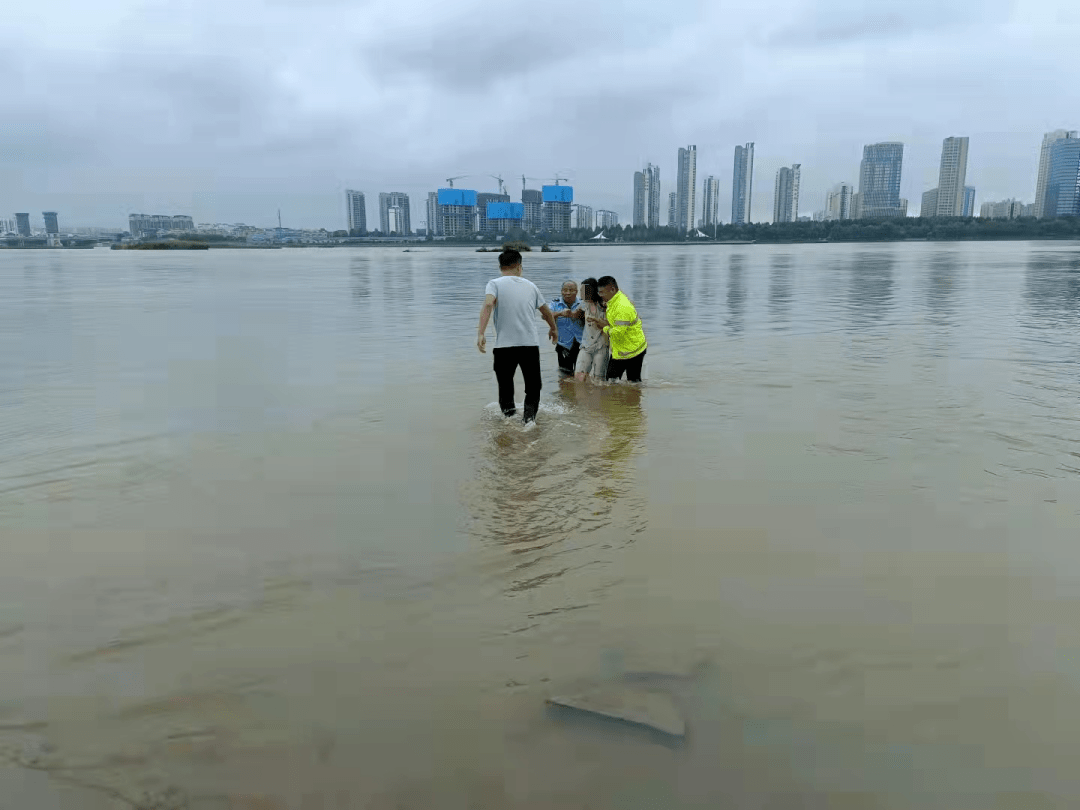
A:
(710, 202)
(653, 219)
(951, 177)
(584, 217)
(457, 211)
(1006, 209)
(647, 197)
(7, 226)
(742, 184)
(686, 188)
(533, 200)
(606, 219)
(879, 181)
(969, 201)
(355, 212)
(434, 223)
(504, 216)
(786, 194)
(394, 213)
(928, 209)
(838, 202)
(52, 225)
(482, 200)
(672, 210)
(1063, 179)
(641, 199)
(1044, 166)
(22, 224)
(557, 207)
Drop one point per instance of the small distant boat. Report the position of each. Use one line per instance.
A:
(546, 249)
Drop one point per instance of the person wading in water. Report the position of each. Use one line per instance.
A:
(515, 300)
(623, 328)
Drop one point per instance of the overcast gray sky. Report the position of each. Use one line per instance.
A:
(227, 110)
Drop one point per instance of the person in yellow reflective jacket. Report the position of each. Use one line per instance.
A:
(623, 329)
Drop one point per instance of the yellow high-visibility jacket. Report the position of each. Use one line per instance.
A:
(624, 328)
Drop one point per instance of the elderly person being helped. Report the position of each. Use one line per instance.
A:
(570, 317)
(592, 359)
(623, 328)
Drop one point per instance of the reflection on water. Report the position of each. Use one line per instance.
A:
(645, 284)
(1052, 285)
(870, 289)
(267, 545)
(780, 290)
(736, 293)
(941, 287)
(360, 273)
(546, 491)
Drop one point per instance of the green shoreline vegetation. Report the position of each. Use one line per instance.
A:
(173, 244)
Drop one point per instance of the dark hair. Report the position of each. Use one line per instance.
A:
(590, 291)
(608, 281)
(509, 258)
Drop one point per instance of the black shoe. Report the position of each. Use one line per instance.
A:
(528, 417)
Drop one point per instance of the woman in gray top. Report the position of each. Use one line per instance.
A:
(592, 359)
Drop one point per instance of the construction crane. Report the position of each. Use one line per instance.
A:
(557, 179)
(496, 177)
(524, 178)
(451, 180)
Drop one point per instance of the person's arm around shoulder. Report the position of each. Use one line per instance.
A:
(485, 316)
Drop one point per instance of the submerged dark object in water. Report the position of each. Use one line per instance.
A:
(654, 710)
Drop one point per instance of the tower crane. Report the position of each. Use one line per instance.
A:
(524, 178)
(557, 179)
(496, 177)
(451, 180)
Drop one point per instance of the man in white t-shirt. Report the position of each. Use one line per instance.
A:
(515, 301)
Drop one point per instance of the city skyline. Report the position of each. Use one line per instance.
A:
(231, 128)
(880, 172)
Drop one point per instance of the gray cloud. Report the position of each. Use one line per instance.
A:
(230, 110)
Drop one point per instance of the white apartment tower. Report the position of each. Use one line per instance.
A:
(647, 197)
(686, 190)
(952, 177)
(355, 211)
(583, 217)
(786, 194)
(710, 202)
(838, 201)
(394, 213)
(741, 184)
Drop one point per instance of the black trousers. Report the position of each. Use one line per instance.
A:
(507, 361)
(567, 357)
(632, 367)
